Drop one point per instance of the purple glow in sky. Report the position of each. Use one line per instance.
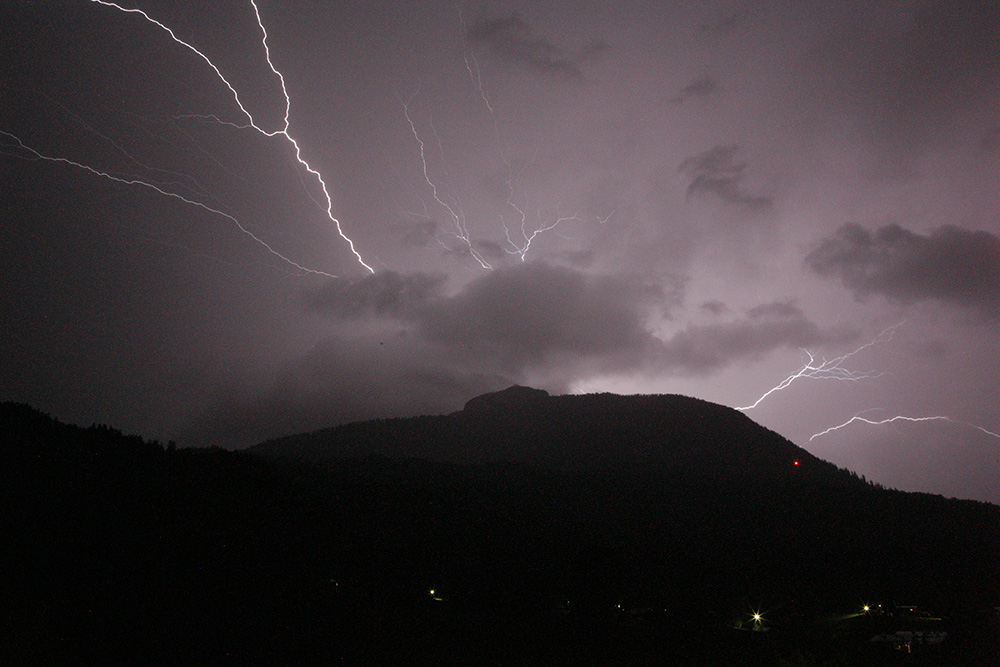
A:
(704, 198)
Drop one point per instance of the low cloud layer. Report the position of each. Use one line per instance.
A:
(703, 349)
(528, 316)
(405, 346)
(951, 265)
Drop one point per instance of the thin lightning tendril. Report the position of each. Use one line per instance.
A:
(454, 209)
(166, 193)
(520, 246)
(252, 124)
(831, 369)
(880, 422)
(520, 234)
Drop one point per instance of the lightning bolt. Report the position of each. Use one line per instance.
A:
(521, 246)
(832, 369)
(282, 131)
(519, 234)
(167, 193)
(454, 209)
(880, 422)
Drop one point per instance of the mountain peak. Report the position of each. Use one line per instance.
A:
(511, 397)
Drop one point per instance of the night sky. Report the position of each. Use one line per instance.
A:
(719, 190)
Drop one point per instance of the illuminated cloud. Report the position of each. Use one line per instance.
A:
(704, 349)
(538, 314)
(386, 293)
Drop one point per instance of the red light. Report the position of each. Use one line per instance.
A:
(795, 463)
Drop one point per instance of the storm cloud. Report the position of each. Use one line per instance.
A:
(704, 349)
(698, 88)
(696, 163)
(950, 264)
(514, 42)
(718, 173)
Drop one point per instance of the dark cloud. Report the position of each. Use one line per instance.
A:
(343, 379)
(775, 310)
(513, 41)
(703, 349)
(534, 323)
(418, 233)
(416, 351)
(698, 88)
(535, 314)
(716, 172)
(382, 294)
(489, 249)
(951, 264)
(715, 307)
(526, 316)
(580, 258)
(556, 321)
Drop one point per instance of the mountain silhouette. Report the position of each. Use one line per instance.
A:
(574, 432)
(558, 530)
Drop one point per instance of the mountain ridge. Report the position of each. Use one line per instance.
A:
(122, 548)
(568, 432)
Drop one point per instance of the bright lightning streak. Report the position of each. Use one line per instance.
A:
(454, 210)
(832, 369)
(283, 131)
(167, 193)
(519, 235)
(880, 422)
(522, 246)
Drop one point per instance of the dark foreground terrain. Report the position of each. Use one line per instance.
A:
(597, 530)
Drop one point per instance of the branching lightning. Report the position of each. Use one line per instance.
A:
(167, 193)
(454, 209)
(282, 131)
(520, 233)
(285, 122)
(832, 369)
(880, 422)
(520, 246)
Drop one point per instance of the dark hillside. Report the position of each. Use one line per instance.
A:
(589, 432)
(123, 551)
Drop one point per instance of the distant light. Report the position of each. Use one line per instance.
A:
(795, 463)
(756, 616)
(866, 608)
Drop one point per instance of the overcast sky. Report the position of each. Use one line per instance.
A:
(581, 196)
